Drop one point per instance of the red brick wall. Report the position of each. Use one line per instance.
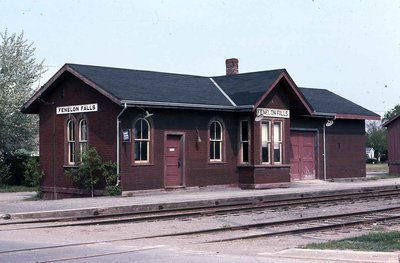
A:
(101, 128)
(345, 147)
(393, 142)
(198, 170)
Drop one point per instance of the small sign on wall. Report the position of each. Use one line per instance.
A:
(275, 113)
(126, 135)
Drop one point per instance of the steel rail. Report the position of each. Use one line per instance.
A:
(199, 211)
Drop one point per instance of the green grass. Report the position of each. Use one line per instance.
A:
(380, 242)
(15, 188)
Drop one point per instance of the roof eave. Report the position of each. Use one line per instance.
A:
(345, 116)
(386, 123)
(66, 68)
(177, 105)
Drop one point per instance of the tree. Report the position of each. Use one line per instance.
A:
(376, 137)
(391, 113)
(88, 171)
(19, 70)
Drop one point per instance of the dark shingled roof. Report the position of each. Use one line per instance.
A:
(157, 88)
(138, 85)
(324, 101)
(247, 88)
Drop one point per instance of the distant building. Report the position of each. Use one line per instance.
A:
(252, 130)
(369, 153)
(393, 142)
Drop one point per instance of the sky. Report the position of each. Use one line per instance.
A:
(350, 47)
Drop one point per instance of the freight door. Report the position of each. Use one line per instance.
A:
(173, 161)
(302, 157)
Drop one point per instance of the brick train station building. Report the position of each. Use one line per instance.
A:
(251, 130)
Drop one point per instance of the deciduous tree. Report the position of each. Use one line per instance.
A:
(376, 137)
(391, 113)
(19, 70)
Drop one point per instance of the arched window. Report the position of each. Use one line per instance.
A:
(83, 136)
(216, 141)
(142, 140)
(71, 141)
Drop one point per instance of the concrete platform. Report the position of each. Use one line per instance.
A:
(342, 256)
(15, 206)
(182, 198)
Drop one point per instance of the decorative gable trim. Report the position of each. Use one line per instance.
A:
(294, 88)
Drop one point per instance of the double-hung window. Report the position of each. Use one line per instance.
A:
(83, 136)
(277, 142)
(71, 141)
(216, 141)
(142, 141)
(271, 144)
(244, 141)
(266, 142)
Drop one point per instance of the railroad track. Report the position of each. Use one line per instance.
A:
(264, 229)
(293, 226)
(218, 209)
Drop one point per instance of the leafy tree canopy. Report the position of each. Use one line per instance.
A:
(391, 113)
(376, 136)
(18, 71)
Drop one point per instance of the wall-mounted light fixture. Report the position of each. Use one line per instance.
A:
(198, 136)
(147, 114)
(330, 122)
(259, 117)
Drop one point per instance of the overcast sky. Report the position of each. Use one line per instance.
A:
(350, 47)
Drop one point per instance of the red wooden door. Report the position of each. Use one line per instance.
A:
(302, 159)
(173, 161)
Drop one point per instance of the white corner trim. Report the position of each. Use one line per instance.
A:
(223, 92)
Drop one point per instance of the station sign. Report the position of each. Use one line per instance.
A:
(77, 108)
(126, 135)
(274, 113)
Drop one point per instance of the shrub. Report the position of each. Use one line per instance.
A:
(89, 171)
(111, 177)
(32, 173)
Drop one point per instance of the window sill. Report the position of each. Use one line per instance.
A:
(70, 166)
(216, 162)
(273, 165)
(141, 164)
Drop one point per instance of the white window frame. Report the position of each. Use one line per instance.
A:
(83, 136)
(266, 140)
(71, 141)
(215, 141)
(277, 140)
(142, 141)
(243, 142)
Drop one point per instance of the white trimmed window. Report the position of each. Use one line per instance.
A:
(266, 142)
(142, 141)
(244, 141)
(216, 141)
(278, 142)
(83, 136)
(271, 147)
(71, 141)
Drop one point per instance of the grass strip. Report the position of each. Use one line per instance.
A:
(379, 242)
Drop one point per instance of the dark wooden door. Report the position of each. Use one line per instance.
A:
(173, 161)
(302, 159)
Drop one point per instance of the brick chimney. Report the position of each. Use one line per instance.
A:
(232, 66)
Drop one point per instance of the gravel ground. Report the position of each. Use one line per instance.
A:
(131, 231)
